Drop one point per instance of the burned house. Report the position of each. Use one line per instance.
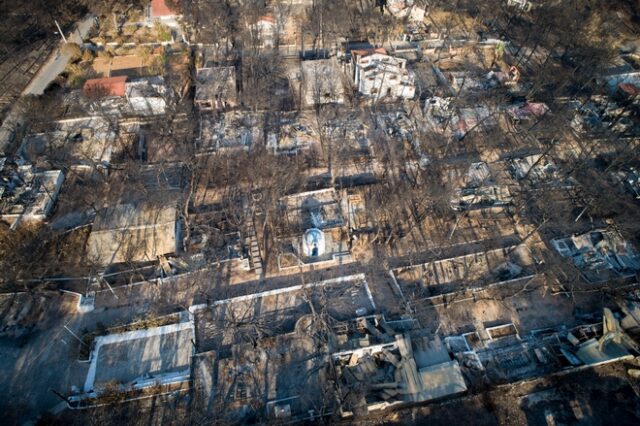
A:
(291, 134)
(469, 119)
(530, 111)
(629, 178)
(27, 194)
(216, 88)
(232, 321)
(403, 371)
(468, 272)
(131, 233)
(438, 113)
(85, 142)
(230, 131)
(146, 96)
(443, 117)
(320, 82)
(599, 255)
(539, 171)
(353, 160)
(262, 358)
(479, 190)
(462, 82)
(600, 115)
(283, 379)
(502, 350)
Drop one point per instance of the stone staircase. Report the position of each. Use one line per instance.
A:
(251, 240)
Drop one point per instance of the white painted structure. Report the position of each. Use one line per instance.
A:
(379, 75)
(313, 244)
(147, 379)
(147, 96)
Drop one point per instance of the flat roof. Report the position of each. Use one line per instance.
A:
(128, 232)
(441, 380)
(78, 139)
(142, 358)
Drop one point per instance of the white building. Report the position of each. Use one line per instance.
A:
(379, 75)
(265, 31)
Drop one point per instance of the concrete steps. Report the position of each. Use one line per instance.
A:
(251, 240)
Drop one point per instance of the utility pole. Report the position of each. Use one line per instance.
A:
(60, 30)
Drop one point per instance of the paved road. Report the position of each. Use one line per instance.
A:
(45, 359)
(56, 63)
(58, 60)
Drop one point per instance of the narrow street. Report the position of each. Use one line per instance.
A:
(55, 64)
(58, 59)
